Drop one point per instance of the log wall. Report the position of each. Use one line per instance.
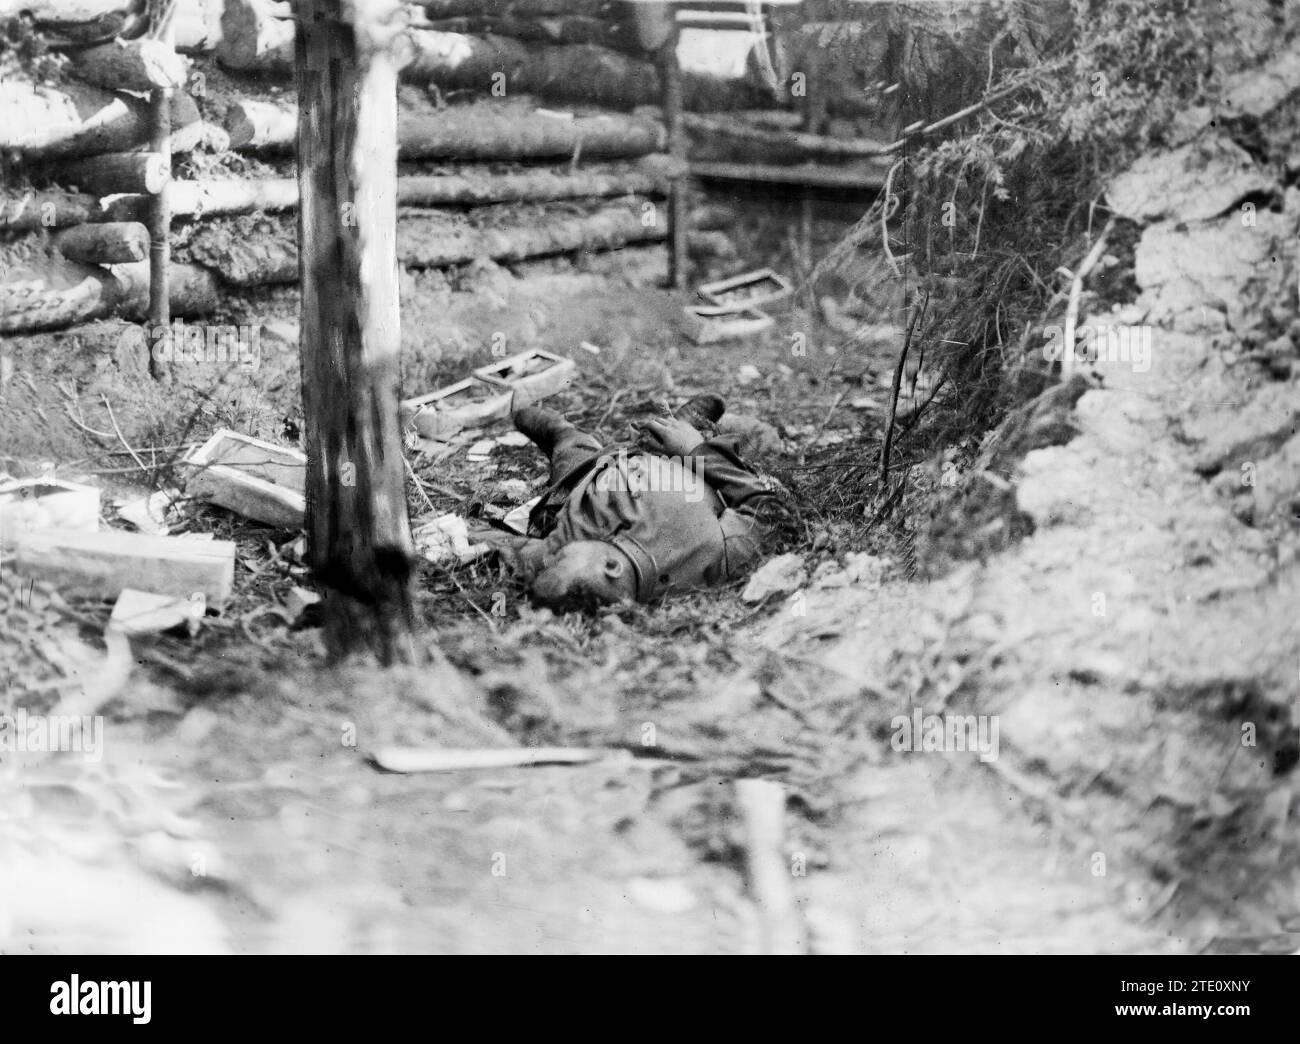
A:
(70, 248)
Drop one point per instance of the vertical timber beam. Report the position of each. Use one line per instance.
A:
(347, 58)
(160, 216)
(670, 77)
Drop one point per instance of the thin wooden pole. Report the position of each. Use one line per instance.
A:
(160, 215)
(160, 220)
(670, 74)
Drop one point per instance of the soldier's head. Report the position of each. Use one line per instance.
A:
(584, 575)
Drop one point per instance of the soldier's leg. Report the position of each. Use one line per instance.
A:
(563, 442)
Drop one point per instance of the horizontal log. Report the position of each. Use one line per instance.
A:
(437, 239)
(807, 175)
(476, 132)
(49, 293)
(550, 29)
(258, 125)
(482, 133)
(76, 119)
(256, 40)
(575, 72)
(107, 243)
(48, 208)
(787, 140)
(192, 289)
(189, 199)
(131, 65)
(435, 9)
(266, 258)
(115, 172)
(196, 25)
(474, 187)
(427, 240)
(469, 186)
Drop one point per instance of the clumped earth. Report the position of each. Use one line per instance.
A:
(1110, 578)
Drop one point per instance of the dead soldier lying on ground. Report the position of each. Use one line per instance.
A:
(672, 512)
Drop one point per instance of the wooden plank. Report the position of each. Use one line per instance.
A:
(104, 564)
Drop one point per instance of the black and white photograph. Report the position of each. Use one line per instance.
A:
(651, 477)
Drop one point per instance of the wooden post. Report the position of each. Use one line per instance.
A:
(160, 216)
(670, 75)
(358, 534)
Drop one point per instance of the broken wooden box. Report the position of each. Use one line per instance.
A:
(46, 503)
(466, 404)
(253, 478)
(104, 564)
(529, 376)
(747, 290)
(708, 324)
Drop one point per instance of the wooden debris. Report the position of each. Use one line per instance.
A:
(104, 564)
(762, 807)
(417, 759)
(253, 478)
(144, 612)
(110, 243)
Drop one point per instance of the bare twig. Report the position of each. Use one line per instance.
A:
(1076, 291)
(893, 398)
(418, 485)
(886, 212)
(122, 438)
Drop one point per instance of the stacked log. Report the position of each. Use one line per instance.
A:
(131, 65)
(48, 208)
(257, 37)
(470, 133)
(48, 293)
(73, 120)
(92, 137)
(110, 243)
(469, 186)
(118, 172)
(434, 239)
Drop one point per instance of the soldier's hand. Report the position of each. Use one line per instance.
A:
(668, 436)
